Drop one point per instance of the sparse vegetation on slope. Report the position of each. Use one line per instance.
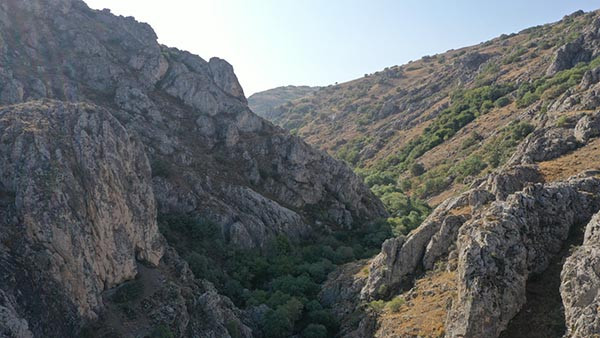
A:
(449, 113)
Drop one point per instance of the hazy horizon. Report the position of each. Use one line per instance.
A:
(280, 43)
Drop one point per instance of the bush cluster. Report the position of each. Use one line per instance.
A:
(285, 276)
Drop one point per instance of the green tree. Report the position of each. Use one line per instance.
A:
(314, 331)
(277, 324)
(417, 169)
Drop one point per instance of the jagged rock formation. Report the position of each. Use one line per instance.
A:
(102, 128)
(508, 243)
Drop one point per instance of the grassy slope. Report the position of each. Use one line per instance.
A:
(374, 122)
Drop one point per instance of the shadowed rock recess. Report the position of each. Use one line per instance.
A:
(101, 129)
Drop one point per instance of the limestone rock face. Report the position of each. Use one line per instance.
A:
(400, 257)
(545, 144)
(512, 240)
(569, 55)
(83, 202)
(587, 127)
(580, 284)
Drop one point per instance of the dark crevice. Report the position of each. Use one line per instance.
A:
(542, 316)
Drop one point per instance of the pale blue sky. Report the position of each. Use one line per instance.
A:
(272, 43)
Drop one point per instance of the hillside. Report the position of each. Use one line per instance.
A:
(264, 103)
(429, 127)
(502, 140)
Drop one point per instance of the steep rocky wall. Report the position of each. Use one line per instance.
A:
(514, 239)
(83, 208)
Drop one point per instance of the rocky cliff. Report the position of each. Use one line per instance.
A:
(102, 129)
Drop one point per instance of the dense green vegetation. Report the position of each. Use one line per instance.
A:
(285, 276)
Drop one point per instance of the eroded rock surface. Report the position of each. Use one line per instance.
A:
(512, 240)
(82, 203)
(580, 285)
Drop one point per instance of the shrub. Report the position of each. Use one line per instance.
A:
(344, 254)
(162, 331)
(324, 318)
(295, 286)
(233, 328)
(433, 186)
(404, 224)
(160, 168)
(471, 166)
(395, 304)
(527, 100)
(417, 169)
(277, 324)
(376, 305)
(521, 130)
(472, 140)
(293, 308)
(502, 102)
(562, 121)
(379, 178)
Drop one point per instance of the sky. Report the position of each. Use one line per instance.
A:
(273, 43)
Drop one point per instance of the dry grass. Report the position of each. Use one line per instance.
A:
(466, 210)
(424, 314)
(584, 158)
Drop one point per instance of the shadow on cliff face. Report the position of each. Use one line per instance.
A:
(543, 315)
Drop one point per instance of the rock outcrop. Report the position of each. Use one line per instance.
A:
(508, 243)
(503, 231)
(80, 207)
(580, 285)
